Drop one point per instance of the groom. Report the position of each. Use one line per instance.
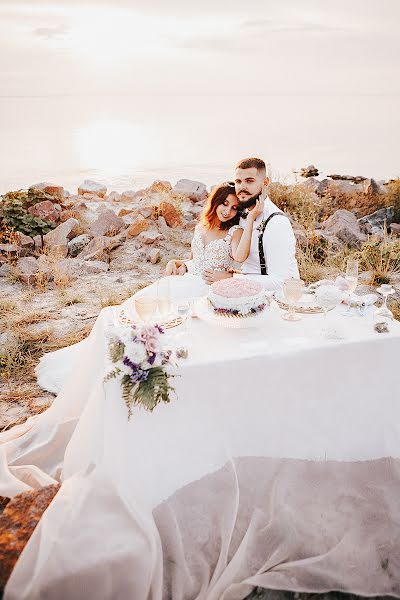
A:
(272, 257)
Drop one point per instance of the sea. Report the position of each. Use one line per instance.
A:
(126, 142)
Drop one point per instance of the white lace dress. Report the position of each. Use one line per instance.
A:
(55, 367)
(216, 255)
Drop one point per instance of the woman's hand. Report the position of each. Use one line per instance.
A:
(258, 209)
(211, 276)
(175, 267)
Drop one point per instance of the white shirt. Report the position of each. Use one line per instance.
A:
(279, 250)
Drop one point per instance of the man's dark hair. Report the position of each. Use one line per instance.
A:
(252, 163)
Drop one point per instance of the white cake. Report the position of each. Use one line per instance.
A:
(237, 296)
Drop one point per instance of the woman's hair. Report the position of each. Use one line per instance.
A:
(209, 217)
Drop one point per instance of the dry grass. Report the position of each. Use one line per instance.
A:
(7, 307)
(302, 204)
(110, 297)
(381, 258)
(395, 308)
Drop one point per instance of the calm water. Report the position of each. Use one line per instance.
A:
(127, 142)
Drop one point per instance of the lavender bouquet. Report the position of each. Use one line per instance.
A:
(139, 360)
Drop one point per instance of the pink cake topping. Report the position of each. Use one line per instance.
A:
(236, 288)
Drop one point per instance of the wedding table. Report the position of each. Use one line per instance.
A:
(276, 464)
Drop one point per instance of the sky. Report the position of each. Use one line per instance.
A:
(241, 48)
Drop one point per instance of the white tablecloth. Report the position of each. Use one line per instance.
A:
(265, 469)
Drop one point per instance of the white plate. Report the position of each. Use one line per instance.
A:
(306, 300)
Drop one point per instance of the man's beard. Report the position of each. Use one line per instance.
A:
(250, 201)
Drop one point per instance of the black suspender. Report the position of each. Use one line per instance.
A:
(260, 241)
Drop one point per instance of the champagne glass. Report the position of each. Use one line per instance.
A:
(145, 307)
(351, 278)
(164, 297)
(384, 314)
(183, 310)
(292, 291)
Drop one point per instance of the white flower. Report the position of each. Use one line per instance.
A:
(135, 351)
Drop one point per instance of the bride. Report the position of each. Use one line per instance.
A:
(218, 243)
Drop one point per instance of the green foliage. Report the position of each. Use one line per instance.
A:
(15, 216)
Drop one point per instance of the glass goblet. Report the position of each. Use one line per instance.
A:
(164, 297)
(183, 310)
(328, 297)
(383, 314)
(292, 291)
(145, 307)
(351, 278)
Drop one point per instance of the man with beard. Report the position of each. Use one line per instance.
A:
(272, 257)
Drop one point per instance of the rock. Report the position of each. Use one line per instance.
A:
(195, 190)
(343, 224)
(57, 191)
(395, 229)
(139, 225)
(310, 183)
(162, 224)
(9, 249)
(149, 237)
(128, 196)
(99, 247)
(17, 523)
(25, 241)
(73, 268)
(146, 211)
(45, 267)
(160, 186)
(92, 187)
(107, 223)
(28, 269)
(171, 214)
(300, 233)
(376, 220)
(45, 210)
(77, 244)
(114, 197)
(154, 256)
(127, 211)
(57, 240)
(329, 239)
(128, 257)
(310, 171)
(38, 242)
(5, 270)
(354, 179)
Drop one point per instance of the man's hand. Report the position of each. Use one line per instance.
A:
(211, 276)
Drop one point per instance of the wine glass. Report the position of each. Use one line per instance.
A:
(292, 291)
(384, 314)
(164, 297)
(351, 278)
(145, 307)
(183, 310)
(327, 297)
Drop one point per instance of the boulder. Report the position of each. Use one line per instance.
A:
(17, 523)
(371, 223)
(99, 247)
(38, 242)
(310, 171)
(171, 214)
(127, 211)
(27, 268)
(160, 186)
(107, 223)
(77, 244)
(114, 197)
(5, 270)
(92, 187)
(352, 178)
(139, 225)
(128, 257)
(57, 191)
(195, 190)
(128, 196)
(162, 224)
(154, 256)
(45, 267)
(343, 224)
(73, 268)
(25, 241)
(57, 239)
(45, 210)
(149, 237)
(9, 249)
(310, 184)
(395, 229)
